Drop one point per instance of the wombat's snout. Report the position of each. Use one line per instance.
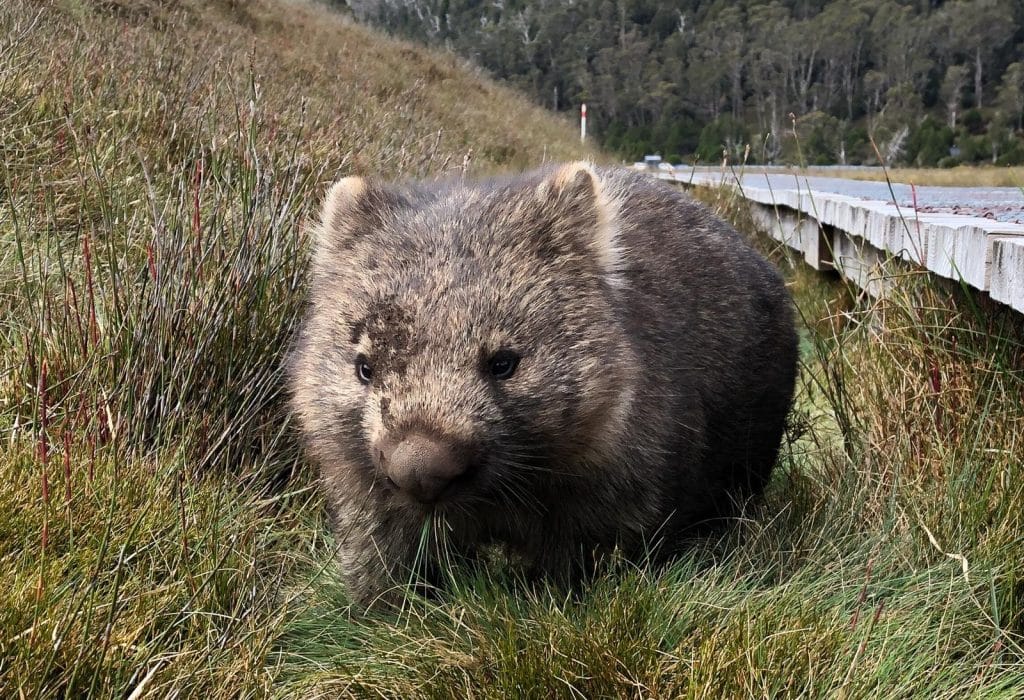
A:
(422, 467)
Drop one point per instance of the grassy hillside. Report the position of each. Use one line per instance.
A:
(160, 534)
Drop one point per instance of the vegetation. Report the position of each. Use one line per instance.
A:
(939, 82)
(960, 176)
(161, 535)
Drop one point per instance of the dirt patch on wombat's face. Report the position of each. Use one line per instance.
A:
(476, 319)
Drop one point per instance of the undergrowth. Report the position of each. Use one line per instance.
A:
(161, 535)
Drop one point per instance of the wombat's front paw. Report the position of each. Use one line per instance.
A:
(385, 560)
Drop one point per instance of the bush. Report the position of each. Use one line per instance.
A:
(858, 146)
(929, 143)
(975, 149)
(723, 134)
(817, 140)
(1013, 153)
(973, 122)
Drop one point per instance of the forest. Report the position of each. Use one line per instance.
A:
(909, 82)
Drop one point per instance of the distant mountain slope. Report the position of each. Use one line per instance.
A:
(696, 77)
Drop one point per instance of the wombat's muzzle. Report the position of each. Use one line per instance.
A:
(424, 468)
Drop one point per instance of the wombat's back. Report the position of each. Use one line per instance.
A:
(713, 320)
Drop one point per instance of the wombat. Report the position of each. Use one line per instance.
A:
(562, 363)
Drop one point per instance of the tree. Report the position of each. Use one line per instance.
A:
(902, 105)
(801, 47)
(952, 91)
(1011, 94)
(716, 76)
(766, 75)
(901, 45)
(659, 71)
(843, 29)
(979, 29)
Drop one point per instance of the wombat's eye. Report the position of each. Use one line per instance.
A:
(503, 364)
(363, 369)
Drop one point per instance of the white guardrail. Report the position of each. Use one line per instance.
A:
(857, 236)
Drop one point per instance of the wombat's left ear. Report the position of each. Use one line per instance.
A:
(341, 205)
(586, 207)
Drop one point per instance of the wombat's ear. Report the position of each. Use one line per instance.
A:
(341, 207)
(589, 212)
(352, 207)
(572, 183)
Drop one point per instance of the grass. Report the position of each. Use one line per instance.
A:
(161, 534)
(960, 176)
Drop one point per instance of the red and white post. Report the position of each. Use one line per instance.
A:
(583, 122)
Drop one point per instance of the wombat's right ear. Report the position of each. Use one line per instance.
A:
(353, 207)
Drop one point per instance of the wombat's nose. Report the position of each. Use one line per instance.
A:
(424, 467)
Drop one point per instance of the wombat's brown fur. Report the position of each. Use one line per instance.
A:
(562, 362)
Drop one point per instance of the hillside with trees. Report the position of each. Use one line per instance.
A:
(931, 82)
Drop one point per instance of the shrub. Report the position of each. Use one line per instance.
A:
(929, 143)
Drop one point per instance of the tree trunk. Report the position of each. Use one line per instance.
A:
(737, 89)
(848, 87)
(776, 140)
(622, 25)
(977, 77)
(805, 79)
(851, 78)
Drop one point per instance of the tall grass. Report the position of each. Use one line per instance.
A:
(159, 161)
(161, 535)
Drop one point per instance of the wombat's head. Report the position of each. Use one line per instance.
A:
(465, 343)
